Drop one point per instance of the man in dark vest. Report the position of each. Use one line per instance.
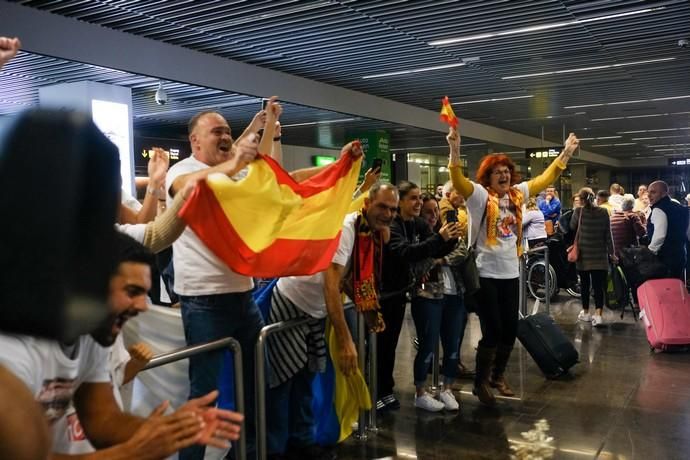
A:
(666, 229)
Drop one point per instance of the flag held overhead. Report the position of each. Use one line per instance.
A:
(267, 224)
(447, 115)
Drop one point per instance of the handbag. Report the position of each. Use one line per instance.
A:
(573, 251)
(470, 272)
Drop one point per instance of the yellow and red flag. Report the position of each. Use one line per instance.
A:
(447, 115)
(267, 224)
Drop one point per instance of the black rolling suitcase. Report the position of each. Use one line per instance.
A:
(547, 345)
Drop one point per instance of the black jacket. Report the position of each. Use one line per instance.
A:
(411, 241)
(672, 252)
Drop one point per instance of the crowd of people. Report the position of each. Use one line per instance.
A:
(446, 254)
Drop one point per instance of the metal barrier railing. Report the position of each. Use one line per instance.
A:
(373, 382)
(367, 422)
(367, 419)
(260, 416)
(186, 352)
(362, 356)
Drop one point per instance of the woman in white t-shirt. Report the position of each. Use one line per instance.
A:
(494, 205)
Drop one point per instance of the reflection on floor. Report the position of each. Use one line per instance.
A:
(620, 402)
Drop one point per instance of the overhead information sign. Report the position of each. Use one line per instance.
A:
(543, 152)
(679, 161)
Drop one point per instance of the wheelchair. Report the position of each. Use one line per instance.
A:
(562, 273)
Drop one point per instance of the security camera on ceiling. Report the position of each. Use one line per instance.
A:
(683, 43)
(161, 96)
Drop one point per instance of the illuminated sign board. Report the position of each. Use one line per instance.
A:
(679, 161)
(322, 160)
(143, 148)
(543, 152)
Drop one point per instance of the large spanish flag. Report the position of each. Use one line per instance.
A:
(267, 224)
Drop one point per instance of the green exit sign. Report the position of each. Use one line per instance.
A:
(322, 160)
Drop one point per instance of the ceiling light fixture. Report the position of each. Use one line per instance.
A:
(652, 130)
(599, 138)
(656, 99)
(410, 71)
(325, 122)
(587, 69)
(493, 99)
(409, 149)
(525, 30)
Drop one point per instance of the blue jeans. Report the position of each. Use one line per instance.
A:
(452, 303)
(434, 319)
(213, 317)
(289, 414)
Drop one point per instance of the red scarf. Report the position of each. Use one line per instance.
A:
(363, 279)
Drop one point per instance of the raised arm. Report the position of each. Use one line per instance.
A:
(353, 148)
(9, 47)
(277, 148)
(554, 170)
(157, 168)
(244, 151)
(162, 232)
(460, 182)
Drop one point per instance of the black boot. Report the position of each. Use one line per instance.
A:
(482, 390)
(498, 380)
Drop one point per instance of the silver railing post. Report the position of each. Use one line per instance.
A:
(547, 281)
(522, 305)
(373, 382)
(260, 371)
(436, 368)
(236, 349)
(361, 353)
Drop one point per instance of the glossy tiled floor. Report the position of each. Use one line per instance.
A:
(620, 402)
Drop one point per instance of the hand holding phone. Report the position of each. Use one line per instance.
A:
(451, 216)
(376, 165)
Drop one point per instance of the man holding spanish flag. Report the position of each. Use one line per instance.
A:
(242, 219)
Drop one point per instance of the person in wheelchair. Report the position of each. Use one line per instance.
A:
(533, 226)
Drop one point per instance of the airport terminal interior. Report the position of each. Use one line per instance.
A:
(587, 100)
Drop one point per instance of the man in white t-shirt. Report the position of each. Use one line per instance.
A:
(217, 302)
(295, 355)
(58, 374)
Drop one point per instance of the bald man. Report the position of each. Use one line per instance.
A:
(666, 228)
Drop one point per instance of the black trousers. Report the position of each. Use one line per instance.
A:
(598, 283)
(498, 311)
(393, 311)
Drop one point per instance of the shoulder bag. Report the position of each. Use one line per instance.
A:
(573, 251)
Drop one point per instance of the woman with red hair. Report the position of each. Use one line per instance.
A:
(494, 204)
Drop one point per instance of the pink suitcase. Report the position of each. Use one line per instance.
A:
(665, 311)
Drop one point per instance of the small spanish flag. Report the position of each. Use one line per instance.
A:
(447, 114)
(268, 225)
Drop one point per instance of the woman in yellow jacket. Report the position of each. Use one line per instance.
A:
(494, 204)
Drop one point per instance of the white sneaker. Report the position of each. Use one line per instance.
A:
(427, 402)
(584, 316)
(597, 320)
(448, 399)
